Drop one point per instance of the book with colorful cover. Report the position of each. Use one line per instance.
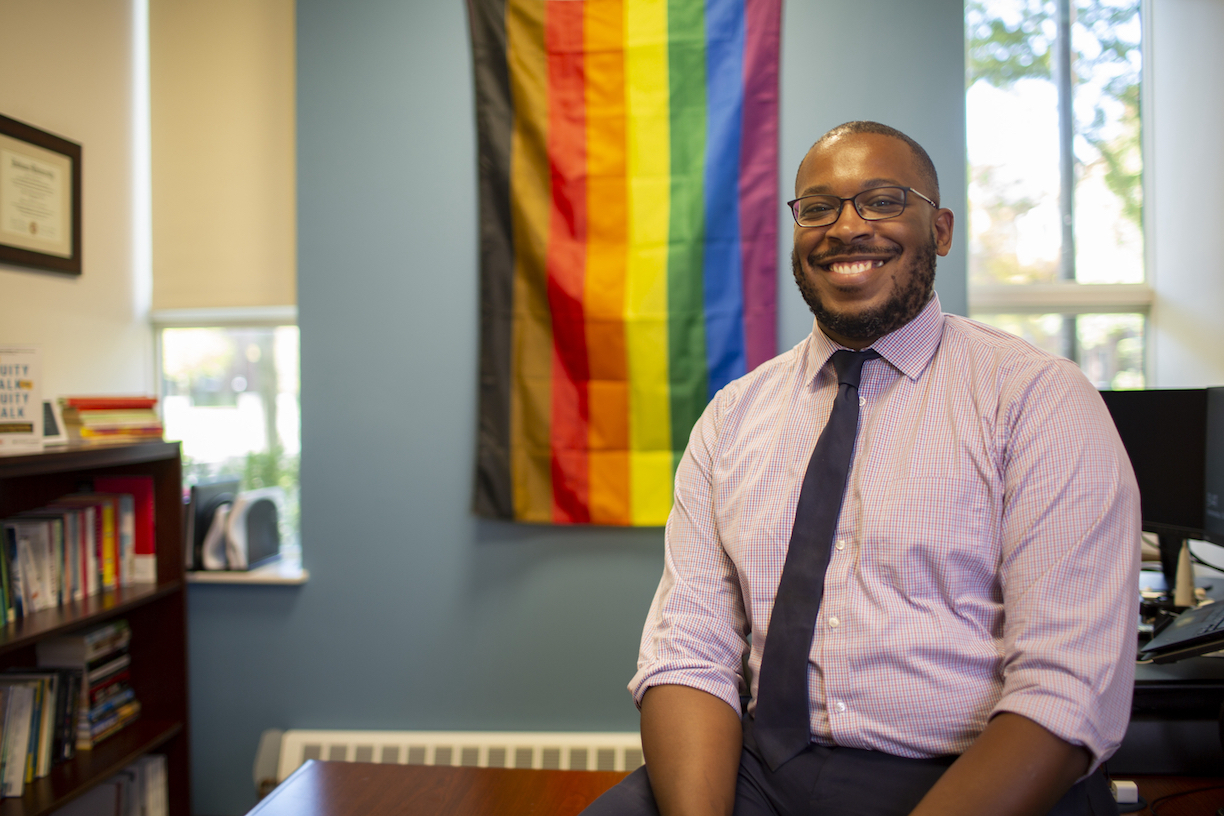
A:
(83, 569)
(21, 408)
(143, 566)
(109, 403)
(101, 654)
(50, 712)
(111, 419)
(107, 521)
(31, 549)
(54, 561)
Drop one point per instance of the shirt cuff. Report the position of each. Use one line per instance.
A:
(717, 682)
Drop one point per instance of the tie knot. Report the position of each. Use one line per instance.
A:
(849, 365)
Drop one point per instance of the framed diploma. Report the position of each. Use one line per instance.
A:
(40, 199)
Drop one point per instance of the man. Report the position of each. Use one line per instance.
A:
(973, 649)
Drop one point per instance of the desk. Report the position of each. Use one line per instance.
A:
(367, 789)
(1204, 803)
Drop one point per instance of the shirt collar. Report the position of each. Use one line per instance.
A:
(908, 349)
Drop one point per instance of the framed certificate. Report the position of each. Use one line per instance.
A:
(40, 199)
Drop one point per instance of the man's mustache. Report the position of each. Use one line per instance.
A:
(851, 250)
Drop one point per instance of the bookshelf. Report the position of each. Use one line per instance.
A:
(157, 614)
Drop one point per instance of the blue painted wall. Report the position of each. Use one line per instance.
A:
(417, 615)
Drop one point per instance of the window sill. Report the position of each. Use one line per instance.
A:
(287, 571)
(1060, 297)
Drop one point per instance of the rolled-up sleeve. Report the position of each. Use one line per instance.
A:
(1069, 562)
(695, 633)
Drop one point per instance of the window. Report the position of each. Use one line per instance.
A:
(230, 394)
(1056, 179)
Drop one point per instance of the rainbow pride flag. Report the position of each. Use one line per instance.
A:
(628, 228)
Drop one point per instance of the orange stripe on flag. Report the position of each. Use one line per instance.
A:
(606, 261)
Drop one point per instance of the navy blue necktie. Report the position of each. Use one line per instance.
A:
(782, 719)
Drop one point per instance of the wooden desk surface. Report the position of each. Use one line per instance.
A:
(1203, 803)
(368, 789)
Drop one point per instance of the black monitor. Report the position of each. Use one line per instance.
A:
(1165, 434)
(1213, 511)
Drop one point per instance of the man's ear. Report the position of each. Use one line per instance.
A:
(942, 230)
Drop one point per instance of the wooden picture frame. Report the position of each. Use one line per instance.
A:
(40, 199)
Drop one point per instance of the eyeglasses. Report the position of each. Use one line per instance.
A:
(875, 204)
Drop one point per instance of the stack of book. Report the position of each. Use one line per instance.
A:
(110, 419)
(77, 545)
(38, 714)
(106, 703)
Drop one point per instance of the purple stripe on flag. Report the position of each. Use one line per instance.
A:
(758, 180)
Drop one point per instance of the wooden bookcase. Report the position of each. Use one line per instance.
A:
(157, 614)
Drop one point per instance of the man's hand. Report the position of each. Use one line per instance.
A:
(692, 743)
(1014, 768)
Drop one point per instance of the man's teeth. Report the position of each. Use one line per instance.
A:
(853, 267)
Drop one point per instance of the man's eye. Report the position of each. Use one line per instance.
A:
(815, 209)
(882, 202)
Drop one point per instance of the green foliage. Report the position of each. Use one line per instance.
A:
(275, 468)
(1002, 52)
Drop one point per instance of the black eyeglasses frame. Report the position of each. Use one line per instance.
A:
(854, 198)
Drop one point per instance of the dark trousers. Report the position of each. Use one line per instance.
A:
(836, 782)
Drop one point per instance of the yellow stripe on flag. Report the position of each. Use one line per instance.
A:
(650, 459)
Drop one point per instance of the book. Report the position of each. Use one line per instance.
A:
(62, 528)
(125, 403)
(108, 522)
(143, 566)
(78, 535)
(34, 733)
(107, 688)
(104, 701)
(18, 715)
(109, 725)
(21, 411)
(110, 419)
(50, 711)
(31, 556)
(85, 647)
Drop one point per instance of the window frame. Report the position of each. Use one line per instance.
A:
(1069, 297)
(289, 569)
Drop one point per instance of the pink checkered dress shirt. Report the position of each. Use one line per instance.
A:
(985, 560)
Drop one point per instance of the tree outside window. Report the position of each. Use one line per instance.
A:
(1055, 195)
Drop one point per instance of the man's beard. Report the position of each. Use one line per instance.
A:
(910, 293)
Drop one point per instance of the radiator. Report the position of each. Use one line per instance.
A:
(613, 751)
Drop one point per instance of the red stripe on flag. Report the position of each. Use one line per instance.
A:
(566, 261)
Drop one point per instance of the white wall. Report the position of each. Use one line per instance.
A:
(1185, 118)
(68, 67)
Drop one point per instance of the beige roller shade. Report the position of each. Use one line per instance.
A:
(223, 143)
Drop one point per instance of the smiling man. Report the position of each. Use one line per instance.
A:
(900, 571)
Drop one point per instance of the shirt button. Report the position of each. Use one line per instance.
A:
(862, 401)
(834, 622)
(841, 544)
(839, 707)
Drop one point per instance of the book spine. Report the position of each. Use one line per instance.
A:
(109, 545)
(108, 403)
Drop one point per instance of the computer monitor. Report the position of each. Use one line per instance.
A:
(1165, 434)
(1213, 510)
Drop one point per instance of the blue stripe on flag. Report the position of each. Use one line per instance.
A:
(724, 297)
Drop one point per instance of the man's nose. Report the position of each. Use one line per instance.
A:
(849, 225)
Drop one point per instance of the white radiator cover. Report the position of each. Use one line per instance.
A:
(576, 751)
